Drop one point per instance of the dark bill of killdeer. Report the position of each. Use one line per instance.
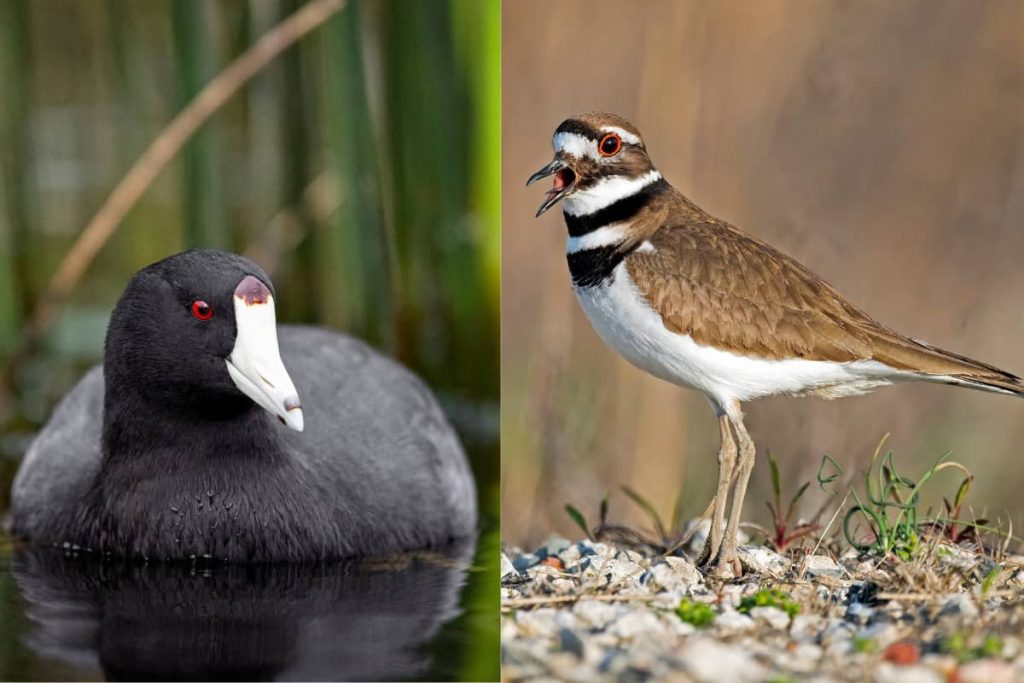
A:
(701, 304)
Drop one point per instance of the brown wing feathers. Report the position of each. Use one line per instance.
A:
(726, 289)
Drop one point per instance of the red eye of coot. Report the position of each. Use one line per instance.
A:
(201, 310)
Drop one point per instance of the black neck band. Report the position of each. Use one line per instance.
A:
(590, 267)
(617, 212)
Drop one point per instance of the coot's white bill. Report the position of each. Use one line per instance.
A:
(255, 361)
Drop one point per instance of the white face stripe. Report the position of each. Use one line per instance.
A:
(255, 362)
(605, 192)
(626, 136)
(575, 145)
(581, 146)
(605, 236)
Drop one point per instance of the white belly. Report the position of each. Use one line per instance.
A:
(625, 321)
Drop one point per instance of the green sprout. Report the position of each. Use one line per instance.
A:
(770, 597)
(889, 508)
(862, 644)
(990, 579)
(698, 614)
(580, 520)
(784, 531)
(957, 644)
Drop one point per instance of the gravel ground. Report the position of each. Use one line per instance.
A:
(591, 611)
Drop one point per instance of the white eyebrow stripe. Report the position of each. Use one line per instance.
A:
(575, 144)
(605, 236)
(605, 192)
(626, 136)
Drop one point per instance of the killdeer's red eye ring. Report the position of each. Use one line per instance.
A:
(609, 145)
(201, 310)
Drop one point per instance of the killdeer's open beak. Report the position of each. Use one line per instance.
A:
(255, 362)
(565, 180)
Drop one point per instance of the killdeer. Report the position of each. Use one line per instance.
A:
(701, 304)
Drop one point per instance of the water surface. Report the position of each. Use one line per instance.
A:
(412, 616)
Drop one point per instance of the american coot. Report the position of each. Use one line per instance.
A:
(190, 439)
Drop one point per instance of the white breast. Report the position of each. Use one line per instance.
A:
(628, 324)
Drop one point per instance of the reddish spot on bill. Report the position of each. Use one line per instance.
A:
(252, 291)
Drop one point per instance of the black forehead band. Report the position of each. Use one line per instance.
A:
(579, 128)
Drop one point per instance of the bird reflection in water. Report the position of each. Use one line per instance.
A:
(366, 620)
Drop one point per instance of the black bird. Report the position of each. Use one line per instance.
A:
(190, 439)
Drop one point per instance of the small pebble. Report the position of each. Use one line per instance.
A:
(713, 662)
(507, 567)
(571, 555)
(554, 546)
(959, 605)
(570, 642)
(859, 613)
(685, 569)
(894, 673)
(554, 562)
(773, 616)
(761, 560)
(989, 670)
(524, 562)
(821, 565)
(635, 625)
(731, 621)
(902, 653)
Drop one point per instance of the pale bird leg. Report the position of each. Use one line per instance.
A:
(726, 462)
(728, 561)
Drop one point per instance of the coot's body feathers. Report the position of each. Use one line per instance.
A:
(377, 469)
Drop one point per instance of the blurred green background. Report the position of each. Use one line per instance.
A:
(361, 169)
(879, 143)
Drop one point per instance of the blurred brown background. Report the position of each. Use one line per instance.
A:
(881, 144)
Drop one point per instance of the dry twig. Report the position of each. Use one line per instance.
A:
(562, 599)
(927, 596)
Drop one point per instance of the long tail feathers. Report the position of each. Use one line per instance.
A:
(932, 364)
(997, 385)
(973, 374)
